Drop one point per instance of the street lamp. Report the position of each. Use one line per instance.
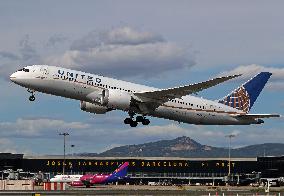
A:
(64, 134)
(230, 136)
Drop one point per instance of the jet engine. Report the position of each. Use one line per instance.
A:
(94, 108)
(111, 98)
(117, 99)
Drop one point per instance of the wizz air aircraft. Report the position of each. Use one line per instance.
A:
(99, 94)
(88, 180)
(65, 178)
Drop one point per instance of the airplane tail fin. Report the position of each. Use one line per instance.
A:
(121, 171)
(244, 97)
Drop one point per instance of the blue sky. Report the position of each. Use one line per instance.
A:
(157, 43)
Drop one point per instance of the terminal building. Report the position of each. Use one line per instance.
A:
(149, 168)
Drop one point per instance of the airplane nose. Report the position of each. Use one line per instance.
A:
(13, 77)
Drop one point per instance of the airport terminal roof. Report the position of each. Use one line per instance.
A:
(133, 158)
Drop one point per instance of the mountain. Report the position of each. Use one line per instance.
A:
(187, 147)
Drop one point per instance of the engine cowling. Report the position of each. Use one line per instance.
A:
(94, 108)
(117, 99)
(111, 98)
(98, 97)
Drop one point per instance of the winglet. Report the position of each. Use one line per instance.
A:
(244, 97)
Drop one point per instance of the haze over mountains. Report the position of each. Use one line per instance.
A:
(187, 147)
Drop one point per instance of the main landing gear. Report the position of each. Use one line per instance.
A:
(32, 97)
(134, 123)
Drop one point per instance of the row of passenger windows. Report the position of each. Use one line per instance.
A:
(111, 87)
(189, 104)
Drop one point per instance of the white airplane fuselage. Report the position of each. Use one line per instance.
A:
(90, 88)
(65, 178)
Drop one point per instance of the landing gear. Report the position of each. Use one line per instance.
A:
(127, 120)
(139, 118)
(146, 122)
(32, 97)
(134, 123)
(131, 122)
(143, 120)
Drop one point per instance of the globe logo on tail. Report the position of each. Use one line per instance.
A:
(238, 99)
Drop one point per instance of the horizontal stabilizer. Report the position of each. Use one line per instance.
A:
(253, 116)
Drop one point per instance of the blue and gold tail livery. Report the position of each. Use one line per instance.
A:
(244, 97)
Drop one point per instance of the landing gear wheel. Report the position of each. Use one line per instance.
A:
(32, 98)
(133, 124)
(127, 120)
(146, 122)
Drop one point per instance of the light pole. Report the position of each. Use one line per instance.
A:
(230, 136)
(64, 134)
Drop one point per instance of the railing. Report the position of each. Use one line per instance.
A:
(176, 175)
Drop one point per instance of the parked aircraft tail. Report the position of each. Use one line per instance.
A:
(121, 171)
(244, 97)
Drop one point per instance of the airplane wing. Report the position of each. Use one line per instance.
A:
(165, 95)
(253, 116)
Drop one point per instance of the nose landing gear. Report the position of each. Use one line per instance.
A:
(32, 97)
(134, 123)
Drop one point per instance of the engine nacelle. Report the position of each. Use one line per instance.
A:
(117, 99)
(110, 98)
(93, 108)
(99, 97)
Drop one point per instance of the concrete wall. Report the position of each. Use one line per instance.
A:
(16, 185)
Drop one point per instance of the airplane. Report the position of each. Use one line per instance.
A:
(89, 179)
(65, 178)
(98, 94)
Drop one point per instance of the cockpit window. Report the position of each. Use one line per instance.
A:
(24, 69)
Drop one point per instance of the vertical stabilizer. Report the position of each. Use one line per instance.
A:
(244, 97)
(121, 171)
